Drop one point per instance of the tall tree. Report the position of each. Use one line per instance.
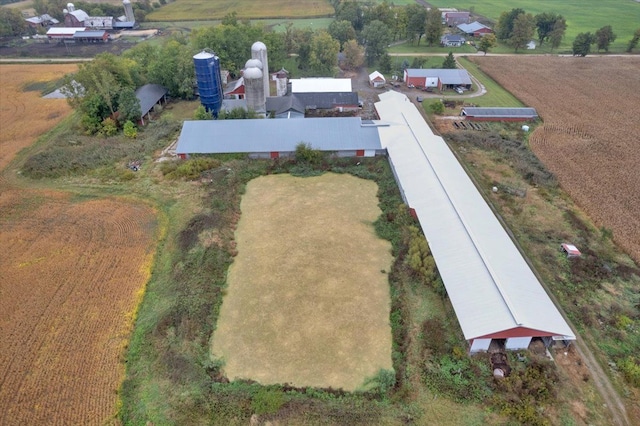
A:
(342, 31)
(304, 56)
(383, 12)
(557, 33)
(385, 63)
(324, 51)
(604, 37)
(449, 62)
(354, 55)
(11, 22)
(174, 69)
(504, 27)
(376, 38)
(434, 29)
(416, 22)
(399, 23)
(545, 23)
(350, 10)
(128, 106)
(487, 42)
(633, 43)
(523, 31)
(582, 44)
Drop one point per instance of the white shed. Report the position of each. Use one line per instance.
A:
(376, 79)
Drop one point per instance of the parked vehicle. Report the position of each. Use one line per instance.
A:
(459, 90)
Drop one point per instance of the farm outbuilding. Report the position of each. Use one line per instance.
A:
(91, 36)
(149, 95)
(376, 79)
(41, 21)
(453, 19)
(499, 114)
(63, 33)
(260, 138)
(74, 18)
(475, 29)
(495, 294)
(235, 89)
(443, 78)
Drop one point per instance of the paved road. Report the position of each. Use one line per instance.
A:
(43, 60)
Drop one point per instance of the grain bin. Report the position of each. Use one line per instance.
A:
(253, 88)
(128, 11)
(209, 81)
(259, 51)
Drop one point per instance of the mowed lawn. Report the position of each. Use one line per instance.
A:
(308, 295)
(181, 10)
(581, 15)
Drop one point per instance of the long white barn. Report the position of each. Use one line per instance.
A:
(494, 292)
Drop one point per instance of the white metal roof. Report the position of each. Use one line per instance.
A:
(490, 285)
(64, 30)
(318, 85)
(447, 76)
(376, 74)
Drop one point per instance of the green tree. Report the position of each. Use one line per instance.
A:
(633, 43)
(130, 130)
(324, 51)
(556, 35)
(383, 12)
(173, 68)
(128, 106)
(385, 64)
(93, 109)
(487, 42)
(342, 31)
(433, 30)
(376, 38)
(351, 11)
(11, 22)
(523, 31)
(604, 37)
(416, 22)
(582, 44)
(437, 107)
(230, 19)
(399, 24)
(504, 27)
(545, 23)
(354, 55)
(304, 56)
(201, 113)
(449, 62)
(96, 11)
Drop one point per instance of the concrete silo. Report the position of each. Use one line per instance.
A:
(259, 51)
(254, 89)
(128, 11)
(209, 81)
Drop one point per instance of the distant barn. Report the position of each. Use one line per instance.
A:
(499, 114)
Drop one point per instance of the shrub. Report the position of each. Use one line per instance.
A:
(267, 401)
(630, 370)
(306, 154)
(130, 130)
(109, 127)
(192, 168)
(437, 107)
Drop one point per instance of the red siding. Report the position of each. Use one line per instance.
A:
(360, 153)
(275, 154)
(182, 156)
(517, 332)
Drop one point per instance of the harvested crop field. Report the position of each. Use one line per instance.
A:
(25, 115)
(589, 138)
(308, 296)
(71, 283)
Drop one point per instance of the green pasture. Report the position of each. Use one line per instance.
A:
(189, 10)
(581, 15)
(496, 95)
(409, 48)
(277, 25)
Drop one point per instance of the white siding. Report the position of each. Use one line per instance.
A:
(515, 343)
(480, 345)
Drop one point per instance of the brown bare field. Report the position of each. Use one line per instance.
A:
(308, 302)
(25, 115)
(73, 274)
(589, 138)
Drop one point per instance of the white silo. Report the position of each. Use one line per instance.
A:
(70, 7)
(253, 63)
(254, 90)
(259, 51)
(128, 11)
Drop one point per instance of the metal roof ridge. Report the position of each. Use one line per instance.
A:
(467, 230)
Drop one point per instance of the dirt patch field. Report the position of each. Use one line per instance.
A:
(589, 138)
(25, 115)
(71, 283)
(308, 295)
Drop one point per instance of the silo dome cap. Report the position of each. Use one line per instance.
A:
(257, 46)
(253, 63)
(203, 55)
(252, 73)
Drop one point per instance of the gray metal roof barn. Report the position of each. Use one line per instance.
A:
(347, 136)
(494, 292)
(499, 113)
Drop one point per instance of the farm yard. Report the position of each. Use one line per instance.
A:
(307, 303)
(187, 10)
(589, 135)
(73, 273)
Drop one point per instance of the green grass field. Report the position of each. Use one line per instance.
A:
(192, 10)
(496, 95)
(581, 15)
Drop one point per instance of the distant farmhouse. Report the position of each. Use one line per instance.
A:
(453, 19)
(78, 20)
(452, 40)
(475, 29)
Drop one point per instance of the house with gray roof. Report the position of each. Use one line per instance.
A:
(148, 96)
(269, 138)
(452, 40)
(499, 114)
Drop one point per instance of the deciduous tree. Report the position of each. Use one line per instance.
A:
(433, 30)
(385, 63)
(449, 62)
(128, 106)
(354, 55)
(487, 42)
(324, 51)
(342, 31)
(604, 37)
(376, 38)
(351, 11)
(633, 43)
(582, 44)
(545, 23)
(416, 22)
(523, 30)
(556, 35)
(11, 22)
(504, 27)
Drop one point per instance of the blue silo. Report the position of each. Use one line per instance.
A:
(207, 67)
